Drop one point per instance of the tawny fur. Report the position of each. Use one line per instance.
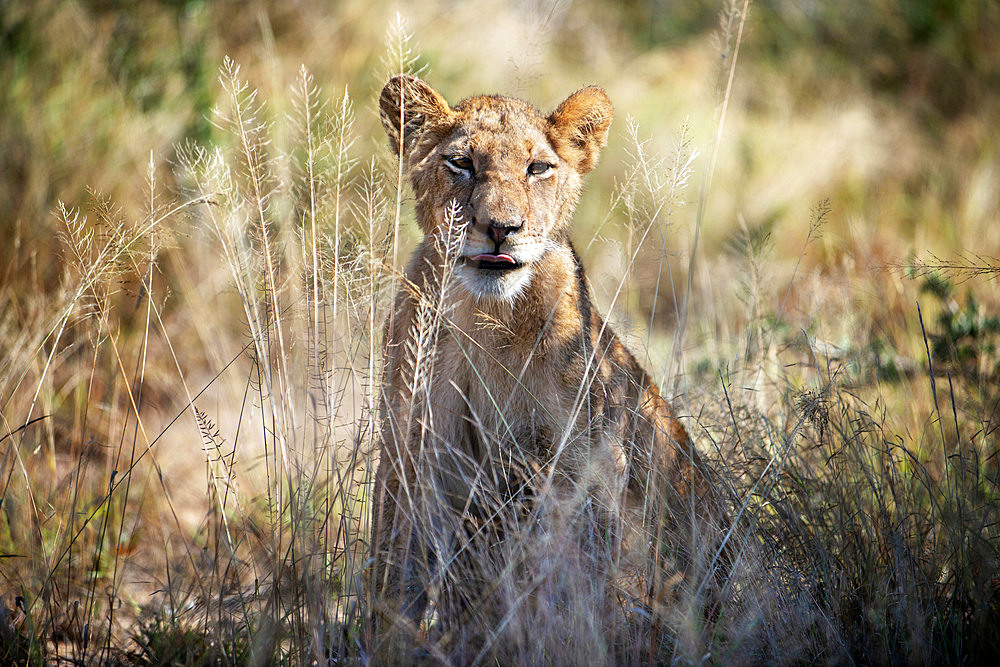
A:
(519, 366)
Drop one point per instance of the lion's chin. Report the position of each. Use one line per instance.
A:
(486, 278)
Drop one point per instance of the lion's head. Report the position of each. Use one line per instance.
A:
(514, 173)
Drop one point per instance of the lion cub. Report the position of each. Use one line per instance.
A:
(509, 404)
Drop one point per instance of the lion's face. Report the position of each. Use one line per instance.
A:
(499, 166)
(509, 176)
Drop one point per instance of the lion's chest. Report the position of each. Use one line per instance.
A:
(516, 407)
(508, 397)
(505, 399)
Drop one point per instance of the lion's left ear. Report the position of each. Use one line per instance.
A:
(579, 127)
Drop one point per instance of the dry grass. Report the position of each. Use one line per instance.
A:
(191, 349)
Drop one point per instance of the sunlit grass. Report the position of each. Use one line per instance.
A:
(191, 350)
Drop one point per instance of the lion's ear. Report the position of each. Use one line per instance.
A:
(580, 127)
(406, 105)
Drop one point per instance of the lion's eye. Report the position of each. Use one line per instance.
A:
(539, 168)
(459, 163)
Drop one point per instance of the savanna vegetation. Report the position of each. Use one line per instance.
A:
(795, 225)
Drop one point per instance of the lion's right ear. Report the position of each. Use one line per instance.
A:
(406, 106)
(580, 127)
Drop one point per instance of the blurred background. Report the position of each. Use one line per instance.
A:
(886, 109)
(855, 175)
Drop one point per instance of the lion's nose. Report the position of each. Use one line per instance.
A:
(499, 232)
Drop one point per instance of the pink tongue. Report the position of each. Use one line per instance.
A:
(494, 258)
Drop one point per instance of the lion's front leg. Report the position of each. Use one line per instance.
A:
(401, 562)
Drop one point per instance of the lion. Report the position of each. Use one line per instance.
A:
(508, 402)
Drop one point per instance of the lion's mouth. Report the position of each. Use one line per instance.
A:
(501, 262)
